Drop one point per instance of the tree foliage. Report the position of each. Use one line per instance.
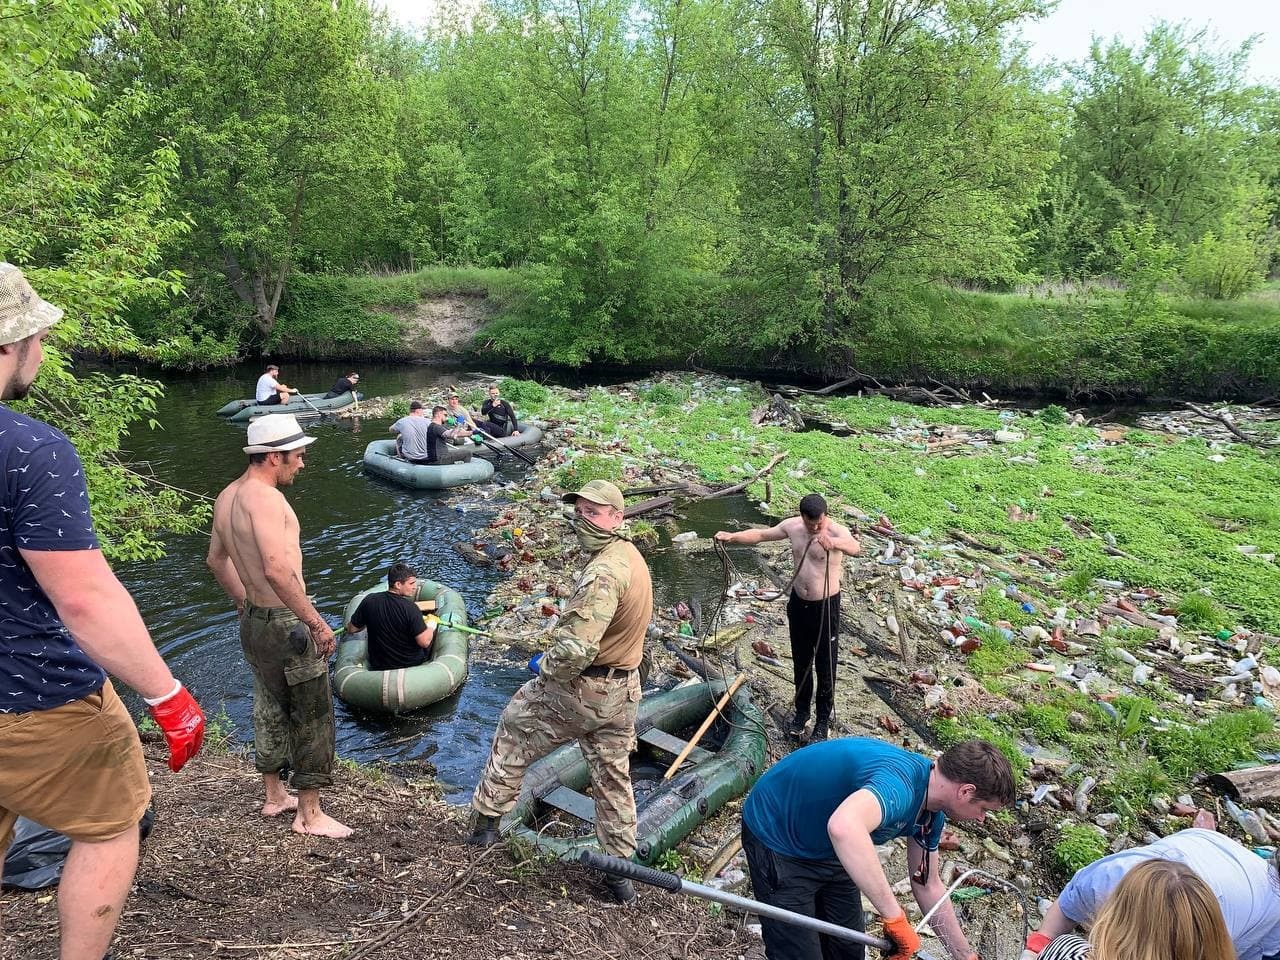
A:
(89, 242)
(279, 131)
(761, 178)
(1166, 132)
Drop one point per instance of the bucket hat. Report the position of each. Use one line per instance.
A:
(22, 312)
(276, 433)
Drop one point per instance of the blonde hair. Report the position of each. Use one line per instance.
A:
(1161, 910)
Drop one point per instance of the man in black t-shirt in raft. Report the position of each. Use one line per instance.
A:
(399, 635)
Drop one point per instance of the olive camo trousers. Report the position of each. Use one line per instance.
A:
(598, 712)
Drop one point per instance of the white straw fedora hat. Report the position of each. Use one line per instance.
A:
(276, 433)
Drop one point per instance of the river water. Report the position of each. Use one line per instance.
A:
(353, 526)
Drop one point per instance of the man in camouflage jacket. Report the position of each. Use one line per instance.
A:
(587, 684)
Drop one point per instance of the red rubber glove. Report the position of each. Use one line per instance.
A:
(182, 721)
(1036, 943)
(905, 941)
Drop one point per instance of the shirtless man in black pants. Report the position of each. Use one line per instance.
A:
(818, 547)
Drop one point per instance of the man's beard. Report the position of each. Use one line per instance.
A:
(15, 389)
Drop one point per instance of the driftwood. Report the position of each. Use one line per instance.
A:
(697, 664)
(1136, 617)
(658, 488)
(778, 411)
(1226, 420)
(1251, 785)
(722, 856)
(647, 506)
(974, 541)
(739, 487)
(823, 391)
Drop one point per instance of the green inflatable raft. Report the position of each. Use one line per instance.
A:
(380, 459)
(530, 435)
(395, 691)
(724, 764)
(242, 411)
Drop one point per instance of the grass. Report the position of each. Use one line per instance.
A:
(1077, 847)
(587, 467)
(1161, 499)
(1226, 740)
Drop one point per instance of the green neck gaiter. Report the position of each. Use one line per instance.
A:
(594, 539)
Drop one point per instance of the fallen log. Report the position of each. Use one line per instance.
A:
(697, 664)
(1226, 420)
(647, 506)
(739, 487)
(974, 541)
(1251, 785)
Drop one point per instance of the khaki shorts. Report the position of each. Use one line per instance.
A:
(77, 769)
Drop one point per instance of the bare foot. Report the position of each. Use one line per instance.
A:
(273, 808)
(322, 826)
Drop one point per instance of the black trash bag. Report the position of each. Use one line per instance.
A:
(35, 858)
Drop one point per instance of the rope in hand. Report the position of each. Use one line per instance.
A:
(732, 575)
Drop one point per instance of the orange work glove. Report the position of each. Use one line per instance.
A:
(1035, 944)
(905, 941)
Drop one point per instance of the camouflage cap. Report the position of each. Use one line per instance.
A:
(598, 491)
(22, 312)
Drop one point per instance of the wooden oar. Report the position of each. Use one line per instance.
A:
(706, 725)
(499, 448)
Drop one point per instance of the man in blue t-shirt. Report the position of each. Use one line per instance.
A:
(69, 753)
(811, 824)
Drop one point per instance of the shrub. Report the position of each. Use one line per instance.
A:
(587, 467)
(1223, 268)
(664, 393)
(525, 395)
(1078, 847)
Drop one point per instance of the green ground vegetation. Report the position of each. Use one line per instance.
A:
(1161, 499)
(1078, 846)
(1176, 514)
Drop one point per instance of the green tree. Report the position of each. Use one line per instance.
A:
(1160, 132)
(91, 246)
(901, 140)
(278, 125)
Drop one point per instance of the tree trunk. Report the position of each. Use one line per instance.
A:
(251, 289)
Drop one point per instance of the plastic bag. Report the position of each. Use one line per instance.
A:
(35, 858)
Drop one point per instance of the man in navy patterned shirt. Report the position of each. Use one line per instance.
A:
(69, 752)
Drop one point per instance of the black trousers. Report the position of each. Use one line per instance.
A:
(815, 630)
(495, 429)
(815, 888)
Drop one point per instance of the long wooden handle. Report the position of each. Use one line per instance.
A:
(706, 725)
